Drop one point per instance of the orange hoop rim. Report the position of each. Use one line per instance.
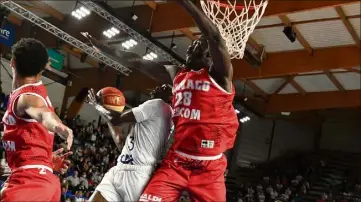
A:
(226, 5)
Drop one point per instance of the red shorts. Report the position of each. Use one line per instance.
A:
(203, 180)
(31, 185)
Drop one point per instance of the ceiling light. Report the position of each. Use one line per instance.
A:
(129, 43)
(107, 34)
(132, 41)
(84, 10)
(148, 57)
(115, 30)
(80, 13)
(244, 119)
(173, 46)
(153, 55)
(111, 32)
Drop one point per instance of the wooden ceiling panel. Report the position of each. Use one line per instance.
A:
(177, 18)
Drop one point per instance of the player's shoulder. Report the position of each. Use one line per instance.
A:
(160, 105)
(154, 102)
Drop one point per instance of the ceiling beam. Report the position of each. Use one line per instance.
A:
(298, 87)
(257, 46)
(153, 5)
(283, 85)
(69, 49)
(295, 62)
(258, 91)
(269, 26)
(287, 22)
(188, 33)
(171, 16)
(348, 25)
(319, 100)
(335, 81)
(355, 70)
(48, 9)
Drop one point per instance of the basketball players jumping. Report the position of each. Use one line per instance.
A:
(204, 118)
(30, 124)
(143, 146)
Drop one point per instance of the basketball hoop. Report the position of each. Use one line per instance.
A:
(235, 22)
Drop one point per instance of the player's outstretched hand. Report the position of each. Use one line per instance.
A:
(60, 160)
(66, 134)
(93, 99)
(86, 35)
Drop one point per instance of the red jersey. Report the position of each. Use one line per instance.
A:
(203, 114)
(26, 141)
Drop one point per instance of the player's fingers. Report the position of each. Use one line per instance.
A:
(59, 151)
(70, 141)
(65, 167)
(90, 96)
(67, 162)
(66, 155)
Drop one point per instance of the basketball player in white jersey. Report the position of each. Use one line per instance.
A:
(143, 145)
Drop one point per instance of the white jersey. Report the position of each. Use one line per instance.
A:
(148, 137)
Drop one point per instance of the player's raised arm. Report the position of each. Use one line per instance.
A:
(218, 49)
(98, 45)
(36, 108)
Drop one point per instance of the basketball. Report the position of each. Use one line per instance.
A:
(112, 99)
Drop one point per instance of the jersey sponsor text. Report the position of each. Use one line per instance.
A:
(184, 98)
(9, 145)
(149, 197)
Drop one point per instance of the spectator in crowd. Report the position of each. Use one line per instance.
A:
(73, 179)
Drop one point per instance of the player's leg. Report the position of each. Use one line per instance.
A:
(134, 183)
(31, 185)
(168, 182)
(106, 190)
(209, 184)
(57, 187)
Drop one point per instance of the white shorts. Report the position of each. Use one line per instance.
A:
(124, 182)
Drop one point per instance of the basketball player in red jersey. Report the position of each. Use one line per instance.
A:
(204, 118)
(30, 123)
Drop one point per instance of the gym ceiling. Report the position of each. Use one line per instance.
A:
(319, 71)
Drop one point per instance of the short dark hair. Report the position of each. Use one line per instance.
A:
(30, 57)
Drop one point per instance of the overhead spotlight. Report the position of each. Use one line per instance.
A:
(291, 35)
(133, 16)
(173, 46)
(244, 119)
(129, 43)
(80, 13)
(111, 32)
(242, 115)
(150, 56)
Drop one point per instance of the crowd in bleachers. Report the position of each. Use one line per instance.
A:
(93, 154)
(290, 179)
(281, 181)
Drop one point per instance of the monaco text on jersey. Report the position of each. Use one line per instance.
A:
(183, 98)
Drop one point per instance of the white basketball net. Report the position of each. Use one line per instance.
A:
(235, 24)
